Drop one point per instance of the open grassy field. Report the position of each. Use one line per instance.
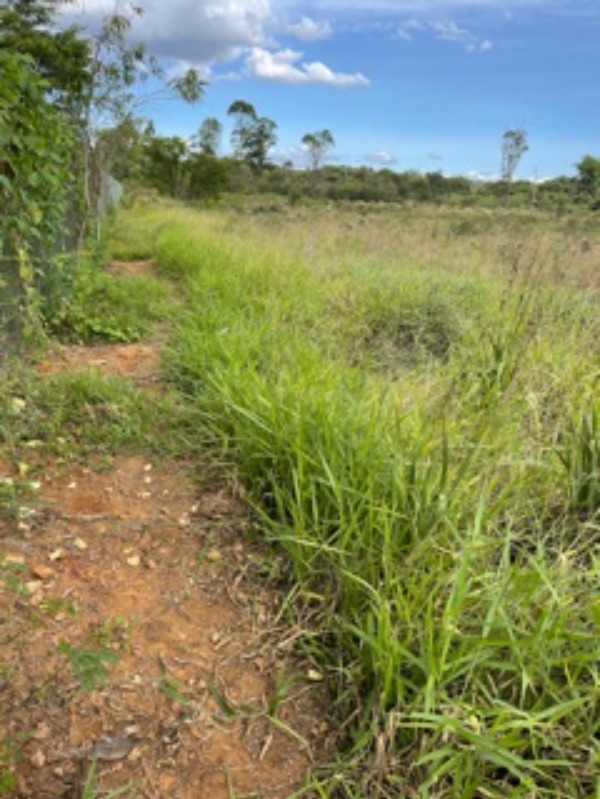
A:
(410, 398)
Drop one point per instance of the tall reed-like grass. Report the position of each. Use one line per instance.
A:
(430, 506)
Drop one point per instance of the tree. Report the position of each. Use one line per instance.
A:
(207, 177)
(208, 137)
(164, 158)
(318, 144)
(117, 68)
(514, 145)
(252, 136)
(61, 57)
(588, 177)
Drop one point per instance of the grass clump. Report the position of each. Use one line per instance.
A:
(579, 452)
(432, 516)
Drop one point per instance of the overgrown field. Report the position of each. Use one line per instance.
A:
(411, 401)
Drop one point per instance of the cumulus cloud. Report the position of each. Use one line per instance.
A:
(283, 66)
(381, 158)
(209, 33)
(198, 31)
(308, 30)
(447, 31)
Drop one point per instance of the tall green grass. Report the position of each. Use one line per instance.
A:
(420, 442)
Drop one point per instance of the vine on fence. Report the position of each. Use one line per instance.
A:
(36, 155)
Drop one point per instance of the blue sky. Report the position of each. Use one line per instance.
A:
(410, 84)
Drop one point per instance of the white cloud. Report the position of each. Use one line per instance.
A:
(206, 33)
(198, 31)
(308, 30)
(482, 177)
(407, 30)
(447, 31)
(402, 7)
(450, 31)
(381, 158)
(283, 66)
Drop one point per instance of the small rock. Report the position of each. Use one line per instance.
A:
(36, 596)
(314, 675)
(213, 556)
(38, 760)
(116, 747)
(56, 555)
(135, 755)
(42, 731)
(134, 560)
(80, 544)
(43, 572)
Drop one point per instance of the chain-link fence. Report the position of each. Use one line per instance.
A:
(47, 279)
(11, 302)
(13, 278)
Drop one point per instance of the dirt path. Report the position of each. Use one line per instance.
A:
(137, 632)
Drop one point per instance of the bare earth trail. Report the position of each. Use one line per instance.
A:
(137, 633)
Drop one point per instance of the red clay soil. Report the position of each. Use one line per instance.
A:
(136, 361)
(128, 569)
(133, 268)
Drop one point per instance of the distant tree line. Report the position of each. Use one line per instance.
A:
(195, 170)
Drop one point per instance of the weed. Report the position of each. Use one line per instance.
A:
(11, 572)
(89, 666)
(55, 606)
(112, 633)
(172, 689)
(10, 754)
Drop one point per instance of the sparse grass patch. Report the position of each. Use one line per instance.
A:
(80, 412)
(89, 305)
